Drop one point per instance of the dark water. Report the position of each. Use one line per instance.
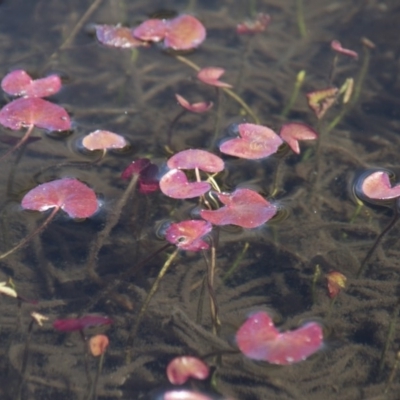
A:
(132, 93)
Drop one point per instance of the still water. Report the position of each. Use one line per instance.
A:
(95, 266)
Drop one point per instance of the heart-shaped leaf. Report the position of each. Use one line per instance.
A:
(180, 369)
(102, 140)
(19, 83)
(256, 142)
(71, 195)
(243, 207)
(151, 30)
(187, 235)
(211, 75)
(377, 186)
(25, 112)
(258, 339)
(118, 36)
(184, 32)
(175, 184)
(194, 158)
(292, 132)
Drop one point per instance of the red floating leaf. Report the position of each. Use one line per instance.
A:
(117, 36)
(256, 142)
(243, 207)
(78, 324)
(377, 186)
(151, 30)
(180, 369)
(71, 195)
(187, 235)
(184, 32)
(102, 140)
(147, 171)
(194, 107)
(19, 83)
(336, 46)
(211, 75)
(293, 132)
(194, 158)
(258, 339)
(320, 101)
(336, 282)
(34, 111)
(252, 26)
(175, 184)
(184, 395)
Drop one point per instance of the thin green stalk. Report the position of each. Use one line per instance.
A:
(300, 18)
(295, 93)
(236, 263)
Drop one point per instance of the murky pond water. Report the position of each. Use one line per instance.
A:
(96, 266)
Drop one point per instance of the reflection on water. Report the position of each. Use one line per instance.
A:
(106, 264)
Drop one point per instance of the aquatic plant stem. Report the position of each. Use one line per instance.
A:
(112, 220)
(32, 234)
(228, 91)
(300, 18)
(295, 93)
(20, 143)
(172, 126)
(148, 298)
(93, 388)
(236, 263)
(392, 373)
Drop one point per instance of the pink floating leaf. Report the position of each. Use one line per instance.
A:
(194, 107)
(19, 83)
(102, 140)
(34, 111)
(336, 46)
(184, 32)
(71, 195)
(175, 184)
(78, 324)
(211, 75)
(257, 25)
(292, 132)
(147, 172)
(243, 207)
(377, 186)
(187, 235)
(151, 30)
(184, 395)
(194, 158)
(117, 36)
(256, 142)
(258, 339)
(180, 369)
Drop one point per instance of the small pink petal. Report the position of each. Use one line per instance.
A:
(211, 75)
(102, 140)
(292, 132)
(19, 83)
(336, 46)
(117, 36)
(184, 395)
(256, 142)
(257, 25)
(180, 369)
(175, 184)
(258, 339)
(194, 158)
(152, 30)
(194, 107)
(377, 186)
(187, 235)
(243, 207)
(184, 33)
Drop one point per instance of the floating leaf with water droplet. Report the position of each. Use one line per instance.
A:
(187, 235)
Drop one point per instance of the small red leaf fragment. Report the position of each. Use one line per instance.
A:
(102, 140)
(292, 132)
(194, 107)
(187, 235)
(195, 158)
(71, 195)
(320, 101)
(117, 36)
(243, 207)
(19, 83)
(147, 172)
(336, 46)
(336, 282)
(175, 184)
(253, 26)
(256, 142)
(98, 345)
(78, 324)
(211, 75)
(184, 32)
(180, 369)
(377, 186)
(258, 339)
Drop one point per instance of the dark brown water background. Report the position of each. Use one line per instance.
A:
(132, 93)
